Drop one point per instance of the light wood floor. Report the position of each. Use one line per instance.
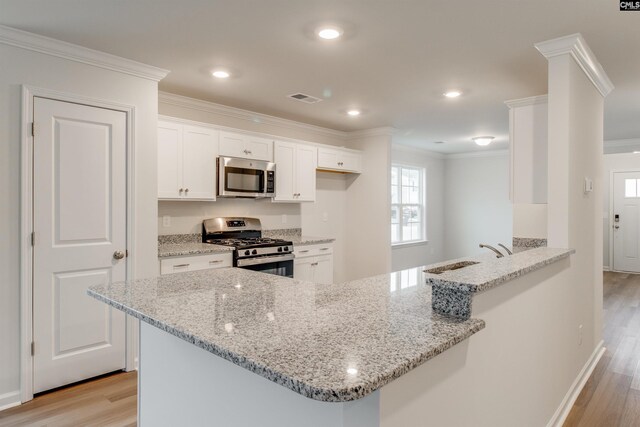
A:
(106, 401)
(611, 397)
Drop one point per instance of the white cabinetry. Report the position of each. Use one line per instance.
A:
(186, 162)
(195, 262)
(337, 159)
(314, 263)
(528, 147)
(295, 172)
(246, 146)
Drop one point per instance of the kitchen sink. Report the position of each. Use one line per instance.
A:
(450, 267)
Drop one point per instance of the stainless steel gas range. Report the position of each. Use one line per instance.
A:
(251, 250)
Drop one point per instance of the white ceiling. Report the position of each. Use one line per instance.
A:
(395, 61)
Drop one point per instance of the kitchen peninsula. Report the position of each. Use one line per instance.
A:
(348, 354)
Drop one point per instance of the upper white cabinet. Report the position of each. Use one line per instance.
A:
(186, 162)
(246, 146)
(528, 148)
(341, 160)
(295, 172)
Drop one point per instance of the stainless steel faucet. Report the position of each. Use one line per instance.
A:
(505, 248)
(498, 253)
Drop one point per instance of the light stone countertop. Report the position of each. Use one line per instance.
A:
(190, 248)
(332, 343)
(490, 271)
(296, 237)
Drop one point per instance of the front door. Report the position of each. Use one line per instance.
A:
(626, 221)
(80, 224)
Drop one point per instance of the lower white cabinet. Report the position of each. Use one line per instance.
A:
(195, 262)
(313, 263)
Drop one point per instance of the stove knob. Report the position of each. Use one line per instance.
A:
(286, 248)
(247, 252)
(280, 249)
(254, 252)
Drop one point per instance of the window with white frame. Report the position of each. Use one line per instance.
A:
(407, 204)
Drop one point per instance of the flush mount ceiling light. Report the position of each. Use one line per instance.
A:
(452, 94)
(329, 33)
(353, 113)
(220, 74)
(483, 140)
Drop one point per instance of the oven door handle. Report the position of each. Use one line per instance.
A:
(264, 260)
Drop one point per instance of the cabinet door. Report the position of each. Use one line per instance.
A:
(306, 161)
(258, 148)
(350, 162)
(284, 156)
(328, 159)
(232, 144)
(323, 269)
(169, 160)
(303, 269)
(199, 151)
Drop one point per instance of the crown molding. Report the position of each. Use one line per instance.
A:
(524, 102)
(417, 150)
(470, 154)
(37, 43)
(577, 47)
(365, 133)
(246, 115)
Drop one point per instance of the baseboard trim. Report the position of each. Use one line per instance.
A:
(606, 268)
(9, 400)
(570, 398)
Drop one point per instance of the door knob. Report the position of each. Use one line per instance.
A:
(118, 254)
(616, 226)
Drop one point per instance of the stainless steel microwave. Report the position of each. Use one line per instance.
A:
(245, 178)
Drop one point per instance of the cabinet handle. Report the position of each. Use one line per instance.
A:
(304, 252)
(181, 190)
(324, 249)
(250, 152)
(314, 263)
(181, 265)
(186, 190)
(216, 261)
(246, 151)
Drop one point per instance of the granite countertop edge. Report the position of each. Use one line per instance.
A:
(345, 394)
(504, 277)
(168, 250)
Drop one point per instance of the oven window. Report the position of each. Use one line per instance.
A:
(244, 180)
(282, 268)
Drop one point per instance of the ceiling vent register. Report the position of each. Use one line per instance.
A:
(307, 99)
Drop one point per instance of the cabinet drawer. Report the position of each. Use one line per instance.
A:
(312, 250)
(195, 262)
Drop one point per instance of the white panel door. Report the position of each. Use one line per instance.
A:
(79, 200)
(284, 156)
(169, 160)
(303, 269)
(199, 152)
(626, 222)
(323, 269)
(328, 158)
(306, 163)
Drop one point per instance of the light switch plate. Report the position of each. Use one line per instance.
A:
(588, 185)
(284, 218)
(166, 221)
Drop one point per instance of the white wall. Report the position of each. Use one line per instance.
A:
(575, 151)
(432, 251)
(613, 162)
(368, 243)
(27, 67)
(476, 203)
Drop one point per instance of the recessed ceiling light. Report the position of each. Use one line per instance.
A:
(636, 152)
(483, 140)
(353, 113)
(329, 33)
(453, 94)
(221, 74)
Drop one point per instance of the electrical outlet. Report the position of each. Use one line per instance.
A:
(284, 218)
(166, 221)
(325, 217)
(580, 335)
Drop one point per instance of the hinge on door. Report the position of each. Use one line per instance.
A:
(33, 348)
(33, 238)
(33, 128)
